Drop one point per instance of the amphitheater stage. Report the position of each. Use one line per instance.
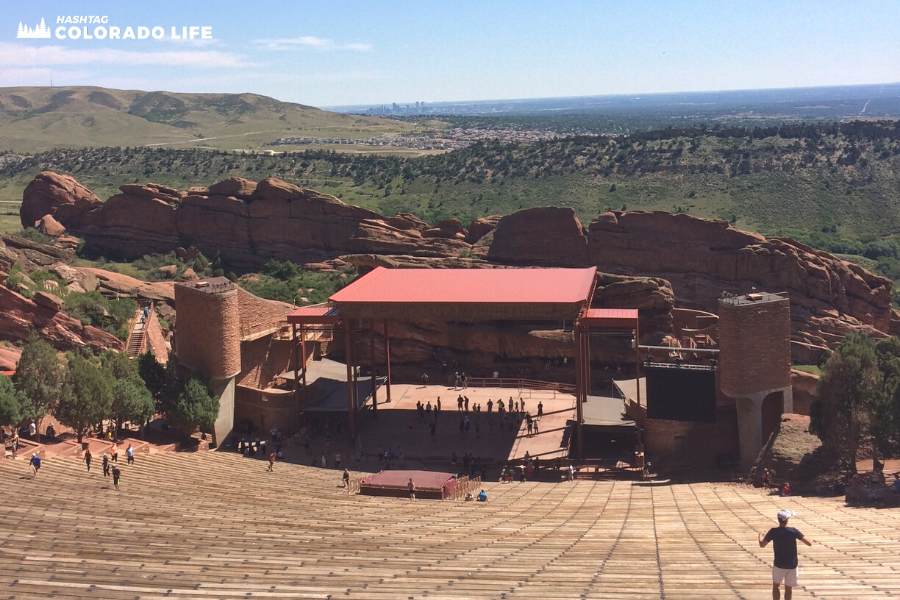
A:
(430, 485)
(397, 425)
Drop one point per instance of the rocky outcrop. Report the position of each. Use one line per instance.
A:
(367, 262)
(701, 258)
(481, 226)
(805, 388)
(546, 236)
(250, 223)
(48, 300)
(58, 195)
(125, 286)
(653, 297)
(450, 229)
(9, 358)
(22, 316)
(7, 260)
(34, 255)
(50, 226)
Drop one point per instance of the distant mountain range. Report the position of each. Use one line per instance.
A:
(40, 118)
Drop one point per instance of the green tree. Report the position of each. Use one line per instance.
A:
(87, 396)
(152, 373)
(39, 376)
(14, 405)
(119, 366)
(194, 405)
(131, 403)
(851, 392)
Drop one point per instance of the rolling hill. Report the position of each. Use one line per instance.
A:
(34, 119)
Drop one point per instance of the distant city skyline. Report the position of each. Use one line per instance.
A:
(359, 53)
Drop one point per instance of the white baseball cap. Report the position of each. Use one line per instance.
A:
(784, 515)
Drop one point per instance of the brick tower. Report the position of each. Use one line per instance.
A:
(208, 339)
(755, 365)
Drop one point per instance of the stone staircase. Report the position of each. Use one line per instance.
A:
(136, 339)
(217, 525)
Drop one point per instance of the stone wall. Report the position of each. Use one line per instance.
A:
(674, 444)
(267, 408)
(262, 359)
(258, 315)
(156, 342)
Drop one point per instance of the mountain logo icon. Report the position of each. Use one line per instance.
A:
(39, 31)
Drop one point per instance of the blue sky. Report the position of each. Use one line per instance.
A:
(331, 53)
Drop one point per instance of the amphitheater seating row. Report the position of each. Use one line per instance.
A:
(217, 525)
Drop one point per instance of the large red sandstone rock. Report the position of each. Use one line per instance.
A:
(701, 258)
(547, 236)
(233, 186)
(9, 358)
(48, 300)
(274, 219)
(375, 236)
(448, 228)
(805, 388)
(49, 193)
(21, 316)
(152, 190)
(481, 226)
(407, 221)
(50, 226)
(123, 285)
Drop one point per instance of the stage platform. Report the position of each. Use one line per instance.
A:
(430, 485)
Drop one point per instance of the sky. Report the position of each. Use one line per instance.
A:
(342, 53)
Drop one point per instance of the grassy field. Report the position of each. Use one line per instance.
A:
(9, 217)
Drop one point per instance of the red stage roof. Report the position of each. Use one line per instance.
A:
(484, 286)
(619, 318)
(321, 313)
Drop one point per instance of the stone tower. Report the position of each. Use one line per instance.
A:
(755, 365)
(208, 339)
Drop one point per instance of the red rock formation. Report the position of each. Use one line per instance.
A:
(50, 226)
(481, 226)
(805, 390)
(251, 223)
(48, 300)
(123, 285)
(21, 316)
(448, 228)
(702, 258)
(546, 236)
(9, 358)
(57, 195)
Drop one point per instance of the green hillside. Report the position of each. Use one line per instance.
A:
(35, 119)
(789, 180)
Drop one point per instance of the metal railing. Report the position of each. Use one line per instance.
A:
(522, 384)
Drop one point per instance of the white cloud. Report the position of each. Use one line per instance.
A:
(20, 55)
(309, 41)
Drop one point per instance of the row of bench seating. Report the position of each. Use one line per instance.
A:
(217, 525)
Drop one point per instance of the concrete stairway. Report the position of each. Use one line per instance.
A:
(216, 525)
